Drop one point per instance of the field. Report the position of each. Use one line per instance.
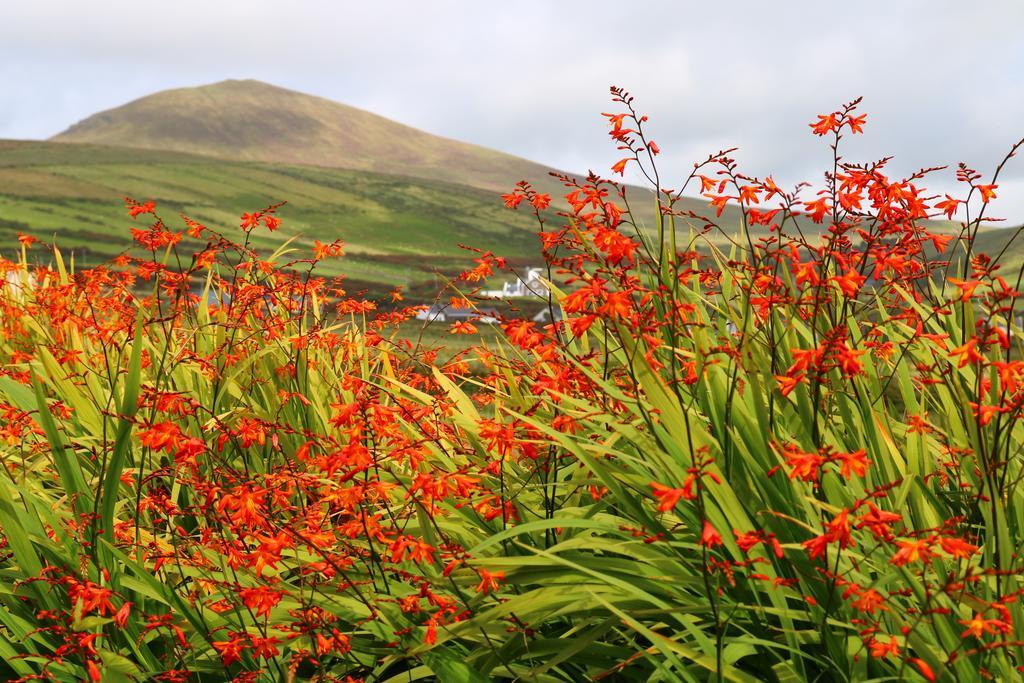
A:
(398, 230)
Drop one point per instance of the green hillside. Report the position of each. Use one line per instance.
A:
(399, 230)
(253, 121)
(1010, 242)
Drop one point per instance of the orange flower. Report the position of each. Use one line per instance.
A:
(915, 550)
(541, 201)
(984, 413)
(850, 282)
(880, 650)
(788, 384)
(264, 647)
(940, 242)
(261, 598)
(988, 192)
(956, 547)
(668, 497)
(619, 248)
(489, 581)
(250, 431)
(805, 359)
(1009, 374)
(803, 466)
(122, 614)
(251, 220)
(768, 186)
(709, 538)
(878, 522)
(322, 251)
(816, 546)
(966, 287)
(869, 601)
(847, 359)
(918, 424)
(979, 626)
(855, 463)
(925, 670)
(748, 540)
(817, 209)
(206, 258)
(161, 436)
(462, 327)
(617, 304)
(838, 530)
(856, 123)
(135, 209)
(806, 273)
(719, 203)
(825, 124)
(195, 229)
(615, 120)
(512, 199)
(968, 353)
(948, 206)
(748, 194)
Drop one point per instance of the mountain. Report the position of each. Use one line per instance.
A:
(247, 120)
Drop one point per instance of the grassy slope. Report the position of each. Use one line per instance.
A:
(399, 229)
(993, 241)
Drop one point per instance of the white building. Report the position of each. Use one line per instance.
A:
(529, 285)
(17, 283)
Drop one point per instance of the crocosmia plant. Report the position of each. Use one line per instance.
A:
(771, 436)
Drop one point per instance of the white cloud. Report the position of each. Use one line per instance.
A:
(943, 81)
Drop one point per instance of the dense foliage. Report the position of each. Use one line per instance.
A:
(800, 460)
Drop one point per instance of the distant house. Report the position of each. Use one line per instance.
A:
(529, 284)
(444, 312)
(18, 283)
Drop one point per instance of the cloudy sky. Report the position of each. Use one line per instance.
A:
(943, 81)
